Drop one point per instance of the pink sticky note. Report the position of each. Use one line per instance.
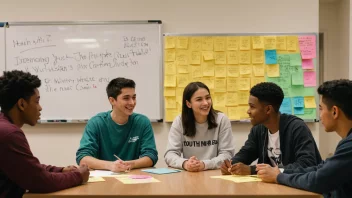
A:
(309, 79)
(307, 45)
(140, 176)
(307, 64)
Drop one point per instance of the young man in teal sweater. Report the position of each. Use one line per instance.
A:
(118, 140)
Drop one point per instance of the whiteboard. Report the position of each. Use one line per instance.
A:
(76, 61)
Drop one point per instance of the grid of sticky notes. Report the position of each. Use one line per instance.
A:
(231, 65)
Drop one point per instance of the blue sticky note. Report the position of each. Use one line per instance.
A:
(286, 106)
(270, 57)
(299, 110)
(161, 171)
(298, 101)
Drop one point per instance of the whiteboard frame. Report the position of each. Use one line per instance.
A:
(46, 23)
(316, 96)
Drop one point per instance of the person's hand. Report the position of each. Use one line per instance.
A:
(119, 166)
(130, 165)
(240, 169)
(83, 170)
(193, 165)
(69, 168)
(267, 173)
(225, 167)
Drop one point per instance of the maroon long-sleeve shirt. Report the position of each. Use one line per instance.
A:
(21, 171)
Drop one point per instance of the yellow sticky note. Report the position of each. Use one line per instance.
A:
(242, 110)
(169, 91)
(232, 42)
(258, 70)
(170, 42)
(231, 99)
(233, 71)
(182, 57)
(245, 57)
(183, 69)
(182, 42)
(209, 81)
(220, 71)
(281, 43)
(245, 43)
(95, 179)
(258, 42)
(220, 58)
(233, 113)
(170, 68)
(270, 42)
(221, 109)
(220, 85)
(273, 70)
(196, 43)
(182, 80)
(179, 95)
(219, 43)
(208, 68)
(243, 97)
(170, 55)
(232, 57)
(309, 102)
(291, 43)
(170, 114)
(207, 43)
(219, 99)
(257, 80)
(257, 56)
(208, 55)
(244, 84)
(170, 81)
(196, 57)
(245, 70)
(233, 84)
(197, 72)
(170, 102)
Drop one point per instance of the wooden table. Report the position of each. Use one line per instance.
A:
(177, 185)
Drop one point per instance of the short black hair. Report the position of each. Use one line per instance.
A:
(15, 85)
(338, 93)
(115, 85)
(269, 93)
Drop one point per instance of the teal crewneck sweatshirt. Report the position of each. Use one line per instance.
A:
(102, 138)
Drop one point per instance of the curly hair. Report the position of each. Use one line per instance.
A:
(338, 93)
(115, 85)
(269, 93)
(15, 85)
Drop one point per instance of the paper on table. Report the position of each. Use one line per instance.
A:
(237, 178)
(102, 173)
(161, 171)
(95, 179)
(126, 179)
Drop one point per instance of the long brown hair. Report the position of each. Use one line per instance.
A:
(187, 116)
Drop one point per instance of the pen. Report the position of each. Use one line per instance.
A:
(128, 170)
(118, 157)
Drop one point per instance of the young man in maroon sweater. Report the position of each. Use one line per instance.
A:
(20, 170)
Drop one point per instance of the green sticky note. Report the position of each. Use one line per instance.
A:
(295, 60)
(309, 114)
(283, 82)
(300, 90)
(297, 78)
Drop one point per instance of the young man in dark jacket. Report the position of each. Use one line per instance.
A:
(19, 169)
(333, 177)
(277, 139)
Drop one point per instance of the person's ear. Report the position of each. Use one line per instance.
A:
(335, 112)
(21, 104)
(189, 105)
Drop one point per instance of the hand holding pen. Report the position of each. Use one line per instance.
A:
(120, 166)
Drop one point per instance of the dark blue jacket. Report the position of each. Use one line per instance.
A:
(297, 145)
(333, 178)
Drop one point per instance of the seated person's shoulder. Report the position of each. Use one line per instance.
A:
(140, 118)
(9, 131)
(99, 118)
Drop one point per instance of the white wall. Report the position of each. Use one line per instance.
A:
(334, 22)
(57, 143)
